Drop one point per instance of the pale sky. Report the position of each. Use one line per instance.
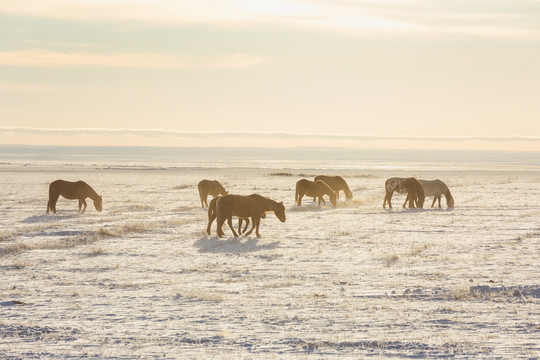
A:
(461, 74)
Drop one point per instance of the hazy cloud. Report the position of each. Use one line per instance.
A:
(56, 88)
(473, 17)
(48, 58)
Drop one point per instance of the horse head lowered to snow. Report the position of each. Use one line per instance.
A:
(337, 183)
(314, 189)
(210, 187)
(73, 190)
(436, 188)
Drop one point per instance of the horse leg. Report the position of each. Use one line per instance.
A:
(83, 203)
(388, 199)
(219, 230)
(413, 203)
(252, 227)
(202, 200)
(245, 227)
(240, 220)
(52, 203)
(321, 198)
(257, 222)
(439, 199)
(434, 199)
(410, 198)
(229, 221)
(211, 218)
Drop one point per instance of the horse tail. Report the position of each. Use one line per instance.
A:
(211, 214)
(50, 198)
(211, 210)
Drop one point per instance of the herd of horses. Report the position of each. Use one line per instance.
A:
(252, 208)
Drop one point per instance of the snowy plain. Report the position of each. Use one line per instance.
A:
(142, 279)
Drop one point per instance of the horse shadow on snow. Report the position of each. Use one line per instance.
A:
(47, 218)
(213, 244)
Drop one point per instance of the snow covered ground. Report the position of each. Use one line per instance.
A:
(142, 278)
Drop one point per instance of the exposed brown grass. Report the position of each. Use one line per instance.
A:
(182, 187)
(390, 260)
(90, 237)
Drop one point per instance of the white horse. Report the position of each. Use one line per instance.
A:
(436, 188)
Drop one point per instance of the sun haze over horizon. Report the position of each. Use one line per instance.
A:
(381, 74)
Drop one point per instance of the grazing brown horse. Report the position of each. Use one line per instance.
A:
(210, 187)
(411, 186)
(337, 183)
(72, 190)
(436, 188)
(250, 206)
(212, 215)
(314, 189)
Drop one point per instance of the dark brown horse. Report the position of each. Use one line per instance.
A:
(251, 206)
(415, 193)
(212, 215)
(72, 190)
(411, 186)
(337, 183)
(210, 187)
(314, 189)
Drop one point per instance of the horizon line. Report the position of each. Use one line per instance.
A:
(158, 132)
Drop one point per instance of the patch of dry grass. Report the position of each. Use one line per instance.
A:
(417, 251)
(95, 251)
(390, 260)
(182, 187)
(464, 293)
(280, 174)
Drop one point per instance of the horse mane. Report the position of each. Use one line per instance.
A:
(419, 188)
(348, 191)
(221, 189)
(92, 193)
(413, 185)
(269, 202)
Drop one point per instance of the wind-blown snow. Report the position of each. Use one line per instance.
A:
(142, 278)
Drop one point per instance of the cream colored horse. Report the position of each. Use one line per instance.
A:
(436, 188)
